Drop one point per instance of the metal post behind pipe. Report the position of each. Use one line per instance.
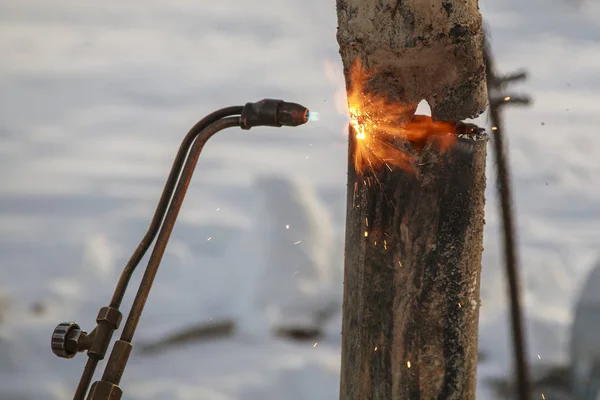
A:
(497, 84)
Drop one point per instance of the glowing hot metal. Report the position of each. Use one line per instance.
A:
(388, 133)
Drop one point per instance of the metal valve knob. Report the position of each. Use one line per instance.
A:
(68, 339)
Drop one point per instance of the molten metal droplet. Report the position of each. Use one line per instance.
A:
(313, 116)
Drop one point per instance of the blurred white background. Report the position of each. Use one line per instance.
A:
(94, 101)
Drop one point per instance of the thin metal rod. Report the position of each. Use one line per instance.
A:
(157, 219)
(169, 222)
(509, 238)
(86, 378)
(165, 198)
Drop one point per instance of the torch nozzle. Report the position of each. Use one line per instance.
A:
(270, 112)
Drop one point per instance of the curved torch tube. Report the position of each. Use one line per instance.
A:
(154, 227)
(159, 248)
(68, 339)
(169, 223)
(165, 198)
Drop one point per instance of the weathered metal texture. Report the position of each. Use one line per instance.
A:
(414, 242)
(498, 100)
(419, 49)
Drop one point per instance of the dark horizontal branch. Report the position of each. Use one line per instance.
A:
(503, 81)
(510, 100)
(196, 333)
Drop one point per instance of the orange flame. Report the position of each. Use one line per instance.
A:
(378, 127)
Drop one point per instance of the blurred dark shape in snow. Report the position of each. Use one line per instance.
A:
(585, 340)
(4, 307)
(300, 284)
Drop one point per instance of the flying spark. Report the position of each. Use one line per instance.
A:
(408, 364)
(315, 345)
(298, 242)
(378, 124)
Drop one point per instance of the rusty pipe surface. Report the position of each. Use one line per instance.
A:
(522, 374)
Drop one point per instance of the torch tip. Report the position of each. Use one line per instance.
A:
(272, 112)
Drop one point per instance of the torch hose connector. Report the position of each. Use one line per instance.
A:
(271, 112)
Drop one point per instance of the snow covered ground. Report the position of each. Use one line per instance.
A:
(94, 101)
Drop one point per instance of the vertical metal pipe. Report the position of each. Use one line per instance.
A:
(509, 236)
